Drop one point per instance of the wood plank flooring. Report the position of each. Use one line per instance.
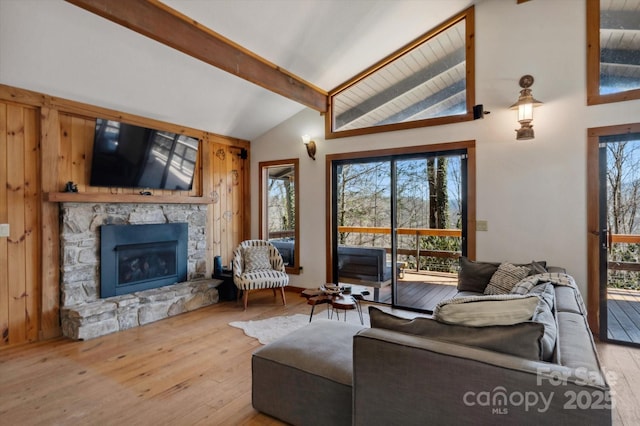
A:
(192, 369)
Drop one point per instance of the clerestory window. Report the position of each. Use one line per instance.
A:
(613, 59)
(428, 82)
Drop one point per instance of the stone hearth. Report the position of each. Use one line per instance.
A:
(84, 314)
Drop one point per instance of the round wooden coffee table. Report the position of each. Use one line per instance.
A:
(335, 300)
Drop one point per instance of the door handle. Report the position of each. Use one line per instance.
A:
(604, 238)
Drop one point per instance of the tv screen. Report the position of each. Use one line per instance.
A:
(131, 156)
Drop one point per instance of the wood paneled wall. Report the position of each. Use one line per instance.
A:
(46, 142)
(19, 207)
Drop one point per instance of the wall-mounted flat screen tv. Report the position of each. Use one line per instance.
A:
(131, 156)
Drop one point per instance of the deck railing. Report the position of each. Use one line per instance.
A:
(623, 239)
(418, 233)
(287, 233)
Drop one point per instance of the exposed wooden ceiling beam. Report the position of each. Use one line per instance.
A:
(168, 26)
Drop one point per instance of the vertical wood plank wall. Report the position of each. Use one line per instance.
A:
(45, 142)
(19, 207)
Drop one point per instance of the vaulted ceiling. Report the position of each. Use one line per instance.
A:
(324, 42)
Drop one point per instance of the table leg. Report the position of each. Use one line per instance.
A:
(312, 309)
(359, 308)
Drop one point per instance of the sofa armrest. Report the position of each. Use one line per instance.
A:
(405, 379)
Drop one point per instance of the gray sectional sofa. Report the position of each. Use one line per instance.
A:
(422, 371)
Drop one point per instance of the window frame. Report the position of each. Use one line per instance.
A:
(467, 16)
(468, 145)
(263, 200)
(593, 62)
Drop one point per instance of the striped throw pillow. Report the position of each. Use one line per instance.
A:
(505, 278)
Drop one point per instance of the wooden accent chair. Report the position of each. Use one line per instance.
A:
(257, 264)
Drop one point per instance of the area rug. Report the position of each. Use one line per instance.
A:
(270, 329)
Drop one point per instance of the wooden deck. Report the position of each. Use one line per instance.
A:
(420, 291)
(623, 319)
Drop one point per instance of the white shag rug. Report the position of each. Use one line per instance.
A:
(270, 329)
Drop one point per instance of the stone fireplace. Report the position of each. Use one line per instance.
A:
(84, 313)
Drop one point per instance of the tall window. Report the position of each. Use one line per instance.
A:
(279, 212)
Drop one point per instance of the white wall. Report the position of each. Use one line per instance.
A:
(532, 193)
(56, 48)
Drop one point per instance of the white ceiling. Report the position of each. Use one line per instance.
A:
(325, 42)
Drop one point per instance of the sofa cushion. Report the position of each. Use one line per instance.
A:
(567, 300)
(576, 348)
(505, 278)
(256, 259)
(544, 314)
(522, 340)
(480, 311)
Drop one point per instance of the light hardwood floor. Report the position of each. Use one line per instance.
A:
(193, 369)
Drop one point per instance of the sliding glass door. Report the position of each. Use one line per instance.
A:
(428, 232)
(399, 226)
(363, 234)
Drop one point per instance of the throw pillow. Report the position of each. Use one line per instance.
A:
(256, 259)
(474, 276)
(480, 311)
(505, 278)
(522, 340)
(537, 267)
(544, 315)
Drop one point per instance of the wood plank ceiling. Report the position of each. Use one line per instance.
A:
(619, 45)
(427, 82)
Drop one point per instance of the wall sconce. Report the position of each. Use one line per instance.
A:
(525, 105)
(311, 146)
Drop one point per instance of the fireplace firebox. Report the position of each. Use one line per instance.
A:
(141, 257)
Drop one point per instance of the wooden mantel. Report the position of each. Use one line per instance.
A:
(102, 197)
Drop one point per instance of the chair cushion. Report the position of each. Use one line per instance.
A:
(261, 279)
(256, 259)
